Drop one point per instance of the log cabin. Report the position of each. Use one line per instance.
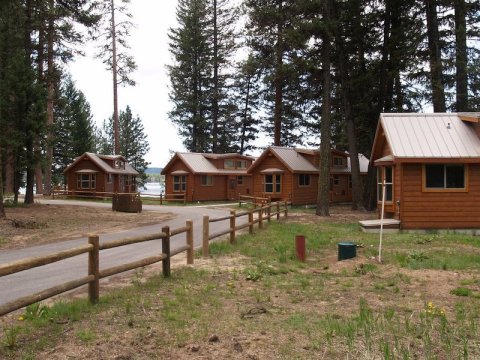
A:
(94, 173)
(208, 177)
(430, 164)
(291, 174)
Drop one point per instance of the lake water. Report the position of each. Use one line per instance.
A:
(154, 188)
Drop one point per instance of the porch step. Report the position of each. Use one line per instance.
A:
(389, 225)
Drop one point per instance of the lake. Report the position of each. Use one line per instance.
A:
(154, 188)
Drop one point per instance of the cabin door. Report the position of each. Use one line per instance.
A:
(232, 188)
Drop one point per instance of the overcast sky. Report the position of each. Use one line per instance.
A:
(149, 98)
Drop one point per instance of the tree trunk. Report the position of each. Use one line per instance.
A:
(2, 210)
(116, 145)
(215, 81)
(461, 56)
(29, 151)
(325, 128)
(9, 172)
(382, 76)
(435, 57)
(344, 68)
(245, 116)
(50, 98)
(41, 79)
(278, 82)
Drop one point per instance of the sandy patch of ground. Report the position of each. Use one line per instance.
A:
(41, 224)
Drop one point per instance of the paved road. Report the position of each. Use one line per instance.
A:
(38, 279)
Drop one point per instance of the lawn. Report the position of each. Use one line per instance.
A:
(254, 300)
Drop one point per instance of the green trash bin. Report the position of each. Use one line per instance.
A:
(346, 250)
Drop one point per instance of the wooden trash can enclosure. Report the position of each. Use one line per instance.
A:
(346, 250)
(127, 203)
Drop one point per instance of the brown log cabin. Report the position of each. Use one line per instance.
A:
(208, 177)
(431, 167)
(291, 174)
(94, 173)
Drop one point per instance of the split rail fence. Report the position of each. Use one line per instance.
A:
(264, 212)
(87, 193)
(175, 197)
(94, 248)
(253, 200)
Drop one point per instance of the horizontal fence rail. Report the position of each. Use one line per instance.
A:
(94, 248)
(253, 200)
(264, 212)
(174, 197)
(89, 193)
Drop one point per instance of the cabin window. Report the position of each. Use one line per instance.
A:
(239, 180)
(385, 174)
(119, 164)
(338, 161)
(241, 164)
(109, 178)
(86, 181)
(273, 183)
(207, 180)
(179, 183)
(442, 176)
(229, 164)
(304, 180)
(128, 180)
(336, 180)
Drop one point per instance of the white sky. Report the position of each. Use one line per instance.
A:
(149, 98)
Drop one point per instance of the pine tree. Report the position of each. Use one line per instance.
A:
(191, 75)
(133, 141)
(275, 44)
(323, 197)
(73, 125)
(58, 36)
(224, 130)
(247, 95)
(114, 52)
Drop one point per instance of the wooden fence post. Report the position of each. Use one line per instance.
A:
(161, 196)
(278, 210)
(166, 251)
(93, 269)
(286, 209)
(232, 226)
(260, 217)
(206, 225)
(250, 221)
(269, 212)
(190, 242)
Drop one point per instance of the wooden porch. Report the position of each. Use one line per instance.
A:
(373, 226)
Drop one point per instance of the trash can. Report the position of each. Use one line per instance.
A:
(127, 203)
(346, 250)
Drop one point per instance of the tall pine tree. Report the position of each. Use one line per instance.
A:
(74, 126)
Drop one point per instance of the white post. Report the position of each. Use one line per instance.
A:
(381, 221)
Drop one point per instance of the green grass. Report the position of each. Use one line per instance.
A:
(278, 305)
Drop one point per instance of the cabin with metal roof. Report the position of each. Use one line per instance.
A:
(94, 174)
(208, 177)
(282, 173)
(430, 164)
